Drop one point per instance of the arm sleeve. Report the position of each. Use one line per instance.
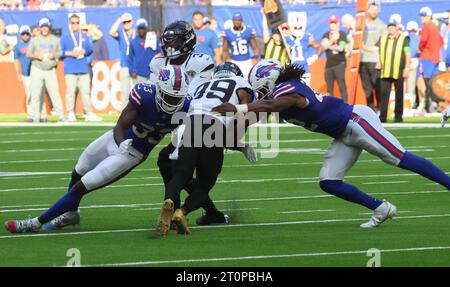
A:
(135, 97)
(424, 34)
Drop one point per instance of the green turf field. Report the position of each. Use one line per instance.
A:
(280, 217)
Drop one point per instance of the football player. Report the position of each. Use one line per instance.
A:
(198, 151)
(303, 49)
(238, 40)
(178, 42)
(141, 126)
(353, 129)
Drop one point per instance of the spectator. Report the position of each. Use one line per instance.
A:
(5, 46)
(303, 49)
(76, 48)
(238, 39)
(142, 51)
(412, 32)
(124, 39)
(34, 31)
(44, 52)
(334, 43)
(369, 71)
(22, 64)
(430, 44)
(207, 42)
(100, 50)
(395, 59)
(274, 45)
(348, 22)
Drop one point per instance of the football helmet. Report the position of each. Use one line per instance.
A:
(178, 39)
(172, 85)
(226, 70)
(262, 77)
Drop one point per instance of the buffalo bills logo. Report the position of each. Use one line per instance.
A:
(164, 75)
(264, 71)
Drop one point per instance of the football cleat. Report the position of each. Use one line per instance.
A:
(92, 118)
(71, 117)
(22, 226)
(249, 153)
(165, 217)
(180, 221)
(382, 213)
(66, 219)
(214, 218)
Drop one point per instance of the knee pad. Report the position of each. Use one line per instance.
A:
(330, 186)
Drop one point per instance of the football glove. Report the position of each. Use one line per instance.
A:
(124, 146)
(249, 153)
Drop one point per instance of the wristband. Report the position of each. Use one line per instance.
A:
(242, 108)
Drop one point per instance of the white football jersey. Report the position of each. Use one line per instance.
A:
(196, 65)
(207, 94)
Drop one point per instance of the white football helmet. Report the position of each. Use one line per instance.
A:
(262, 77)
(172, 87)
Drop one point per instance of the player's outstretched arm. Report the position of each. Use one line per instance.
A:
(276, 105)
(445, 116)
(128, 116)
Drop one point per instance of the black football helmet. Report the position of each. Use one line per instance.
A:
(178, 39)
(226, 70)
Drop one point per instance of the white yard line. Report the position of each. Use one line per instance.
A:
(275, 256)
(385, 182)
(214, 226)
(111, 124)
(307, 211)
(220, 181)
(24, 208)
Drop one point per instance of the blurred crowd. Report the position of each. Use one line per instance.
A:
(56, 4)
(394, 57)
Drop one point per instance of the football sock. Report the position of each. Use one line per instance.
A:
(208, 205)
(70, 201)
(425, 168)
(194, 201)
(350, 193)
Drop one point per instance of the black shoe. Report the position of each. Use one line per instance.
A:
(398, 120)
(209, 218)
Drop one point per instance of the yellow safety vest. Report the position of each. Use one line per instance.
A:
(391, 52)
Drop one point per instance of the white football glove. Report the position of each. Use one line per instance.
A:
(124, 146)
(249, 153)
(445, 116)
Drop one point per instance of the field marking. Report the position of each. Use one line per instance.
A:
(46, 140)
(400, 211)
(220, 181)
(282, 125)
(215, 226)
(136, 205)
(306, 211)
(41, 150)
(240, 258)
(225, 166)
(386, 182)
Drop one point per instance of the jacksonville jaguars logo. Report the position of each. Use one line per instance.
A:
(264, 71)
